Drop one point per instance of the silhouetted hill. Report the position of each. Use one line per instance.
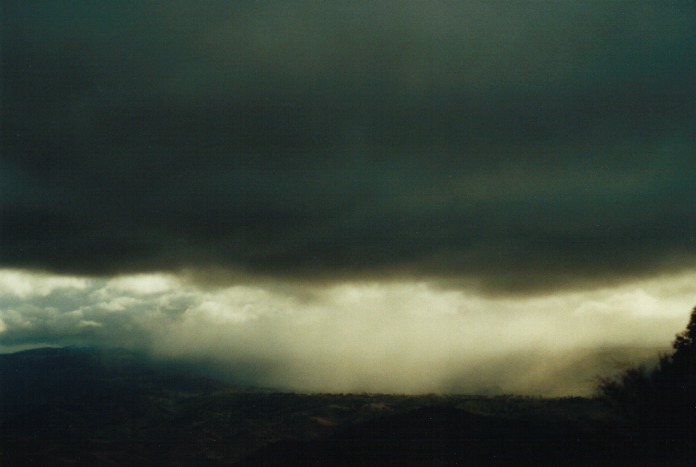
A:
(441, 435)
(81, 406)
(60, 406)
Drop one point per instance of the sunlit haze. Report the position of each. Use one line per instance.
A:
(404, 337)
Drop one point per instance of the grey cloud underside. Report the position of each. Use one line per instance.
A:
(512, 144)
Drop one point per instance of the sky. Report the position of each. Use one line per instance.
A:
(371, 195)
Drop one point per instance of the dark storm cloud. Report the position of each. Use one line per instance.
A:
(517, 144)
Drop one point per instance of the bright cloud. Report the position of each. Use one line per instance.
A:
(26, 285)
(374, 336)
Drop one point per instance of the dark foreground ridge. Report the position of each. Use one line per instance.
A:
(77, 406)
(439, 435)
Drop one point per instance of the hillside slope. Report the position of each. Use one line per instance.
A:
(90, 407)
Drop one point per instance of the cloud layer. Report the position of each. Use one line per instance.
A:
(363, 336)
(509, 145)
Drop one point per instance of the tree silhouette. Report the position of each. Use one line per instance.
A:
(685, 342)
(659, 405)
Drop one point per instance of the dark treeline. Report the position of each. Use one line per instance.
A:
(658, 406)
